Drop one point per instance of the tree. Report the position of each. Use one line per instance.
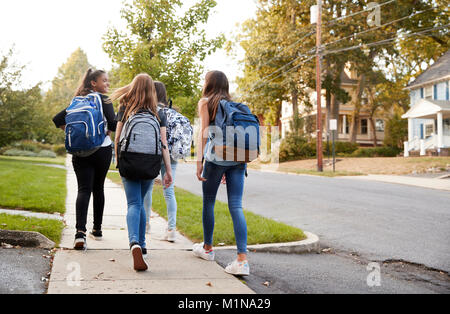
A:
(163, 44)
(20, 110)
(62, 91)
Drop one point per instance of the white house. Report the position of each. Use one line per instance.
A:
(429, 115)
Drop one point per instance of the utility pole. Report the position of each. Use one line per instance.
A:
(319, 86)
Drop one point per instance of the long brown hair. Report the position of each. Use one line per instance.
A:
(161, 93)
(85, 87)
(215, 89)
(138, 95)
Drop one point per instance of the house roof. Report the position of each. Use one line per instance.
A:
(439, 70)
(426, 108)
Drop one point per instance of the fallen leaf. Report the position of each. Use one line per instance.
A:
(326, 250)
(209, 284)
(266, 284)
(112, 260)
(7, 246)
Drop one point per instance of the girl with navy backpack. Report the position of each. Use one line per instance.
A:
(217, 170)
(141, 146)
(91, 167)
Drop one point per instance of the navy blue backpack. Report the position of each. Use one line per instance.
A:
(85, 125)
(240, 132)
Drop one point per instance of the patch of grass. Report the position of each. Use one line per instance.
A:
(325, 173)
(27, 186)
(40, 160)
(114, 177)
(260, 230)
(50, 228)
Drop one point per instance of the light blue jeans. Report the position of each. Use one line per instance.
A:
(136, 218)
(169, 196)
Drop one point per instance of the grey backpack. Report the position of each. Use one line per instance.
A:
(140, 149)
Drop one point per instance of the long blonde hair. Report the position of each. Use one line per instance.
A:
(140, 94)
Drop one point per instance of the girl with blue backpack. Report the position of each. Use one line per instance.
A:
(141, 146)
(91, 165)
(214, 108)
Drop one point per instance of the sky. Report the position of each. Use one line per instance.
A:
(45, 33)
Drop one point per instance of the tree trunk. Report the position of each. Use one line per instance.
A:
(357, 108)
(374, 131)
(295, 118)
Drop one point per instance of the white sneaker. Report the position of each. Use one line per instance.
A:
(139, 263)
(238, 268)
(199, 251)
(171, 235)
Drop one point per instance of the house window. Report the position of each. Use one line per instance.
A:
(379, 125)
(429, 92)
(364, 129)
(429, 129)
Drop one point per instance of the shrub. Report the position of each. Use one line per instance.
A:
(59, 150)
(384, 151)
(20, 153)
(46, 154)
(296, 147)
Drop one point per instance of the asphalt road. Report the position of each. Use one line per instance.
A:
(23, 270)
(375, 221)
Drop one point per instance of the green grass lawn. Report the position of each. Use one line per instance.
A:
(30, 187)
(50, 228)
(189, 220)
(56, 161)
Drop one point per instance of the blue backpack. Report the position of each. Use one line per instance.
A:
(85, 125)
(239, 128)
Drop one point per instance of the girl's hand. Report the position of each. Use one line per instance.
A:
(199, 171)
(224, 179)
(167, 180)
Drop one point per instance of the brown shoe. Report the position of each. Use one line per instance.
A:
(138, 259)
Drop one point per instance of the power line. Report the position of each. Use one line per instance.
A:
(356, 13)
(378, 27)
(384, 41)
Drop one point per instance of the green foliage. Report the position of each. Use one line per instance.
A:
(19, 153)
(377, 152)
(61, 93)
(28, 148)
(396, 130)
(297, 147)
(163, 44)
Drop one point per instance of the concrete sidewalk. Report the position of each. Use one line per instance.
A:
(106, 267)
(430, 183)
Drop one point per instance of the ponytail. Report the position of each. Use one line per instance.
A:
(85, 87)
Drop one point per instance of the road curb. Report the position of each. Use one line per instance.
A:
(26, 239)
(310, 244)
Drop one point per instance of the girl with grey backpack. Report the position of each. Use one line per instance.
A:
(141, 146)
(179, 138)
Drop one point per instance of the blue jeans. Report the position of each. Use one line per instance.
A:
(169, 196)
(235, 189)
(136, 218)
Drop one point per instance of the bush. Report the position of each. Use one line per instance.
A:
(296, 147)
(20, 153)
(46, 154)
(384, 151)
(59, 150)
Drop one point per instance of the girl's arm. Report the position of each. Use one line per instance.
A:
(166, 158)
(202, 136)
(117, 138)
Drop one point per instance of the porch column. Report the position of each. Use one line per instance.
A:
(440, 129)
(410, 130)
(344, 124)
